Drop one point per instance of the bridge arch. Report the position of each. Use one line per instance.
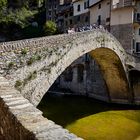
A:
(57, 53)
(111, 59)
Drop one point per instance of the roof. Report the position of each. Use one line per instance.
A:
(95, 3)
(76, 1)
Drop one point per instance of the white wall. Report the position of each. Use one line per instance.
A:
(104, 11)
(82, 10)
(122, 16)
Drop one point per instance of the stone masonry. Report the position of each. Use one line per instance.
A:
(32, 65)
(20, 120)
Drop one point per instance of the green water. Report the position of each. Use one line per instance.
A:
(92, 119)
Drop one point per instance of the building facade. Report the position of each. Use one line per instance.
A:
(81, 12)
(136, 38)
(122, 28)
(65, 16)
(51, 9)
(122, 19)
(100, 12)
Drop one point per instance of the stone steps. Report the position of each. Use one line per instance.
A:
(28, 117)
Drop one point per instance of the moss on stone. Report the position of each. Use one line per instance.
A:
(11, 65)
(24, 51)
(18, 84)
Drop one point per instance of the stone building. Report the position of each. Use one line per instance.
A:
(122, 19)
(51, 9)
(65, 16)
(100, 12)
(81, 12)
(125, 24)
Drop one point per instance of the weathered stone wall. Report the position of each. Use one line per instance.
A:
(20, 120)
(92, 85)
(124, 34)
(32, 65)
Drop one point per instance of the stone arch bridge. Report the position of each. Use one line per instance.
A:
(29, 67)
(32, 66)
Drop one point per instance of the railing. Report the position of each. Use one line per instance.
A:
(123, 3)
(128, 3)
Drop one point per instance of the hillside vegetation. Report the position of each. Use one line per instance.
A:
(21, 19)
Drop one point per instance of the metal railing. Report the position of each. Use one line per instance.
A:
(123, 3)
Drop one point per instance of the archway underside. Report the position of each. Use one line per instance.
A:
(113, 74)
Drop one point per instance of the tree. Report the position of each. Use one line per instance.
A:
(3, 4)
(50, 28)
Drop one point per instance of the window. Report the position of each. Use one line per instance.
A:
(78, 18)
(50, 6)
(66, 23)
(99, 7)
(108, 19)
(85, 5)
(99, 20)
(139, 31)
(86, 19)
(71, 13)
(55, 6)
(66, 15)
(70, 21)
(138, 47)
(88, 3)
(78, 8)
(138, 16)
(50, 13)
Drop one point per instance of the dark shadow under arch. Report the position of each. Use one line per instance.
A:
(113, 73)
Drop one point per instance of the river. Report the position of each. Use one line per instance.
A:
(92, 119)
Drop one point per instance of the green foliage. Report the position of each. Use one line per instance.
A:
(30, 31)
(11, 65)
(3, 3)
(18, 84)
(38, 57)
(50, 28)
(18, 17)
(24, 51)
(31, 60)
(30, 77)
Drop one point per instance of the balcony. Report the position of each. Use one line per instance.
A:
(128, 3)
(123, 3)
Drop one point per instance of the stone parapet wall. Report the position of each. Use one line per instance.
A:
(19, 53)
(20, 120)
